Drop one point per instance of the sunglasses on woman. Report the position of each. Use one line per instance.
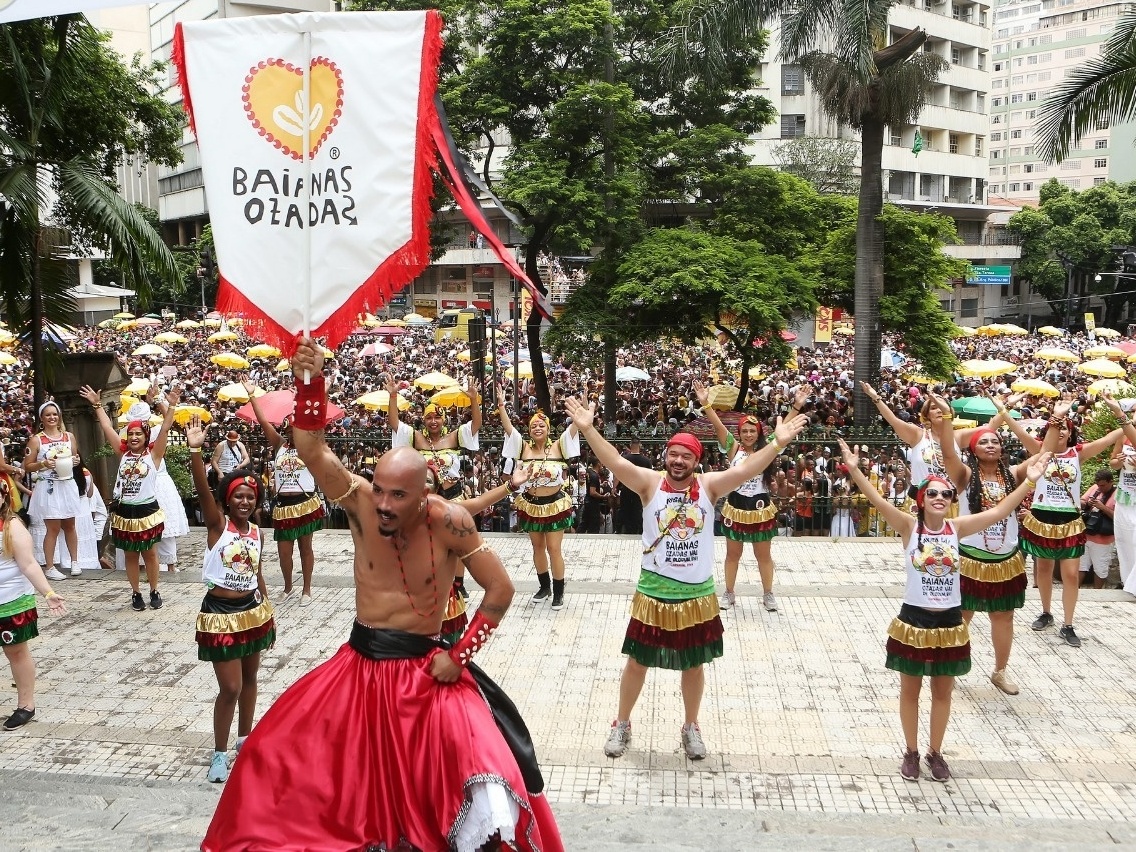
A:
(935, 492)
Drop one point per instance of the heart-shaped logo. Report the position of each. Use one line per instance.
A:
(273, 95)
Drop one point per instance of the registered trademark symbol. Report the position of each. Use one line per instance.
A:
(335, 153)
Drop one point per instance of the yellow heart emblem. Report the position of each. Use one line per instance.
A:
(273, 95)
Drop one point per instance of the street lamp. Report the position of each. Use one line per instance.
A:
(1069, 265)
(205, 270)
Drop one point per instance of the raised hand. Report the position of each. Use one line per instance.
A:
(248, 384)
(1036, 469)
(173, 395)
(389, 384)
(801, 398)
(701, 394)
(789, 429)
(307, 359)
(582, 415)
(94, 397)
(850, 456)
(521, 474)
(870, 391)
(195, 432)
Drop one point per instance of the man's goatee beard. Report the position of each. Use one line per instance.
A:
(386, 533)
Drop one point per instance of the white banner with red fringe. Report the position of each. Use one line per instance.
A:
(350, 221)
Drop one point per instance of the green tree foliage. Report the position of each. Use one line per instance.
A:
(1083, 227)
(593, 131)
(70, 111)
(681, 282)
(828, 164)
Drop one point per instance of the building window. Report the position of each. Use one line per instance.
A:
(996, 102)
(1028, 150)
(1016, 99)
(997, 84)
(792, 126)
(1071, 165)
(1102, 124)
(1072, 34)
(792, 80)
(1102, 163)
(1072, 183)
(1099, 181)
(1030, 113)
(1017, 80)
(1027, 168)
(953, 143)
(995, 154)
(997, 66)
(1031, 96)
(1028, 187)
(1031, 60)
(978, 146)
(1015, 187)
(956, 56)
(1100, 144)
(896, 139)
(996, 119)
(996, 136)
(1074, 53)
(995, 188)
(969, 308)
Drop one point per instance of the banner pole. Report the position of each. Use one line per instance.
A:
(306, 198)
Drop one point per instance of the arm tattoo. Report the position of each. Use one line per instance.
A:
(494, 612)
(462, 528)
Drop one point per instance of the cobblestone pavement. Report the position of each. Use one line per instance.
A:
(800, 715)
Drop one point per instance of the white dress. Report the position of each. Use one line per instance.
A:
(90, 524)
(177, 524)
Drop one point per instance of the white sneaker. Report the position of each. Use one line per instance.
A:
(305, 600)
(727, 600)
(618, 739)
(692, 742)
(76, 571)
(218, 768)
(54, 573)
(769, 601)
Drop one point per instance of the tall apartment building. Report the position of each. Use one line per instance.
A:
(948, 175)
(1037, 44)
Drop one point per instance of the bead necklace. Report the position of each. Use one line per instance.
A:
(542, 470)
(988, 502)
(433, 573)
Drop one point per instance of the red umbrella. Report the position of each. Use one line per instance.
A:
(392, 330)
(279, 404)
(1128, 346)
(375, 349)
(704, 430)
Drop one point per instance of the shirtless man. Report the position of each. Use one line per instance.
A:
(382, 743)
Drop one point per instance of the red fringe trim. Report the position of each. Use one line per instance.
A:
(178, 59)
(20, 619)
(152, 534)
(550, 519)
(291, 523)
(697, 636)
(928, 655)
(750, 529)
(1053, 543)
(992, 591)
(243, 637)
(397, 270)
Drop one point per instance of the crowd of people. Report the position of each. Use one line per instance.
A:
(437, 473)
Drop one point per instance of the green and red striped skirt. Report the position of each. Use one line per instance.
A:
(18, 620)
(549, 513)
(1047, 534)
(928, 642)
(232, 628)
(296, 515)
(992, 582)
(673, 625)
(137, 526)
(749, 519)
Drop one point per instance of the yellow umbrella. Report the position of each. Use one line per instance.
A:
(397, 323)
(988, 330)
(150, 349)
(184, 413)
(960, 423)
(170, 337)
(379, 400)
(230, 361)
(1051, 331)
(756, 374)
(1010, 328)
(722, 397)
(284, 365)
(150, 321)
(1054, 353)
(7, 359)
(125, 401)
(137, 386)
(222, 336)
(1110, 352)
(1106, 332)
(986, 368)
(213, 322)
(1104, 368)
(1116, 387)
(1037, 387)
(327, 353)
(236, 393)
(963, 331)
(920, 380)
(464, 356)
(844, 330)
(436, 381)
(523, 371)
(127, 325)
(188, 323)
(123, 315)
(451, 397)
(262, 350)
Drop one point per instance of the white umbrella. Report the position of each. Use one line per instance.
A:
(631, 374)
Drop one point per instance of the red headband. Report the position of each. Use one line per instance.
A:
(977, 434)
(685, 439)
(925, 483)
(135, 424)
(250, 481)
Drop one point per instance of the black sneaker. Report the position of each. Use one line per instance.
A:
(136, 601)
(155, 599)
(1069, 635)
(1043, 621)
(21, 717)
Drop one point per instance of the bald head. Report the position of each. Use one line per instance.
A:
(405, 466)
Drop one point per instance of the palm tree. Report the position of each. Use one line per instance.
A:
(1103, 89)
(861, 81)
(45, 77)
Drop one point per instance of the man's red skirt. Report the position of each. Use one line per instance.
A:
(368, 754)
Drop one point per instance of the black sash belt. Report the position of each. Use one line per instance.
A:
(384, 644)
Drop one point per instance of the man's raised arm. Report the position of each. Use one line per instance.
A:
(337, 483)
